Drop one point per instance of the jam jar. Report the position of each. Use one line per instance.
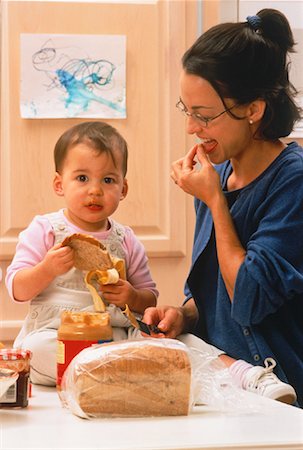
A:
(16, 360)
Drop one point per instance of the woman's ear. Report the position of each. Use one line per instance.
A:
(256, 111)
(124, 189)
(57, 185)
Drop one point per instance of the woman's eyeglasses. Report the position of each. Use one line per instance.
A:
(204, 121)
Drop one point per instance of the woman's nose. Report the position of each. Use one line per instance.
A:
(192, 125)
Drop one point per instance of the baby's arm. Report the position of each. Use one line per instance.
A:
(139, 291)
(36, 261)
(29, 282)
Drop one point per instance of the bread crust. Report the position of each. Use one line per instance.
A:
(90, 254)
(144, 380)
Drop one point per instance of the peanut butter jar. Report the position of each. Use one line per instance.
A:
(79, 330)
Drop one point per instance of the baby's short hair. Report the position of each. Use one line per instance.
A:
(100, 136)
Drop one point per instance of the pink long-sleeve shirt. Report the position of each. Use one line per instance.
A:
(35, 241)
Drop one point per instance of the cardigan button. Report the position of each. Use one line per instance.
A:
(257, 357)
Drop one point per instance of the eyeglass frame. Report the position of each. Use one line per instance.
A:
(197, 116)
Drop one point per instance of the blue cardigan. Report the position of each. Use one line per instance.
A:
(266, 315)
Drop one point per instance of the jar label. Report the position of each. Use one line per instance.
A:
(10, 395)
(67, 350)
(60, 352)
(17, 394)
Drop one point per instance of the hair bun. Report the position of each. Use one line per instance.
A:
(254, 22)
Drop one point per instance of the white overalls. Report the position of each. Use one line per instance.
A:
(66, 292)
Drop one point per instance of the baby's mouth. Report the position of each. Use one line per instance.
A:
(94, 205)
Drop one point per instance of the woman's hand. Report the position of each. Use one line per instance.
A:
(200, 181)
(169, 319)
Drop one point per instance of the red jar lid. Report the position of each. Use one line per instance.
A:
(12, 354)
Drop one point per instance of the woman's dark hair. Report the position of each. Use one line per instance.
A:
(246, 61)
(100, 136)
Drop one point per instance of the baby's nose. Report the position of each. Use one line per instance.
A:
(96, 189)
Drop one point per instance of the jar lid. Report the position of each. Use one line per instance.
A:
(12, 354)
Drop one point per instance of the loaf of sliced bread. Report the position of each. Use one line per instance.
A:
(150, 377)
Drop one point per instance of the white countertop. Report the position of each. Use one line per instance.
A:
(44, 424)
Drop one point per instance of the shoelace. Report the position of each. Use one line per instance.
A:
(264, 378)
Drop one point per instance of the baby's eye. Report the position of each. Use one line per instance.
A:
(82, 178)
(108, 180)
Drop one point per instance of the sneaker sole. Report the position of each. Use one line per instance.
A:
(287, 398)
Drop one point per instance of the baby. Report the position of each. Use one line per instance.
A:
(91, 164)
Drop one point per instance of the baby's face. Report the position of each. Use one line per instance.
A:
(91, 185)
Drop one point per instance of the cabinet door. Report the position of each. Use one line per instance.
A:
(157, 34)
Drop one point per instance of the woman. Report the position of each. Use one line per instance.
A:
(244, 292)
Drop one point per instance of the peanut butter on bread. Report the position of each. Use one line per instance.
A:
(90, 254)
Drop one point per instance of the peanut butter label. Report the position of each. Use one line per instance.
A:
(60, 352)
(67, 350)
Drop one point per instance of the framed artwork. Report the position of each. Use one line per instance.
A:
(66, 75)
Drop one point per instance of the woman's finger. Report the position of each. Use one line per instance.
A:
(202, 156)
(188, 160)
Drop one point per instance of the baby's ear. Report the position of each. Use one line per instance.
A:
(124, 189)
(57, 185)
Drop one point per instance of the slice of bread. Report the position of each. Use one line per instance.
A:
(90, 254)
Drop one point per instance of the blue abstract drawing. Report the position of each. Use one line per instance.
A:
(68, 81)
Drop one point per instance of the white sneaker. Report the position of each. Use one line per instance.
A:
(263, 381)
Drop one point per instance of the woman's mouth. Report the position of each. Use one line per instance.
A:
(208, 144)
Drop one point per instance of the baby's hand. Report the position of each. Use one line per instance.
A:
(119, 294)
(58, 260)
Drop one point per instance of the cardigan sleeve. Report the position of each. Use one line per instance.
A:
(272, 272)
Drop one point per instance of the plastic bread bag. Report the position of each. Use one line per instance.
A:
(215, 387)
(145, 377)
